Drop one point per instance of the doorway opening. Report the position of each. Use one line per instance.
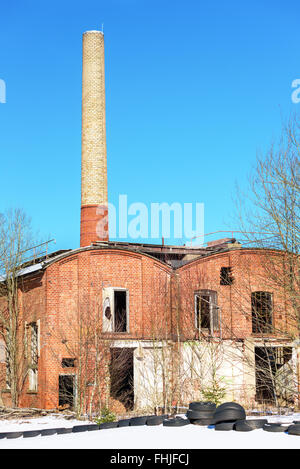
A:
(273, 374)
(66, 391)
(121, 376)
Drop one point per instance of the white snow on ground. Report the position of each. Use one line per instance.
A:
(141, 437)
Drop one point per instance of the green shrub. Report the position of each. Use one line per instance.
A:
(105, 416)
(215, 393)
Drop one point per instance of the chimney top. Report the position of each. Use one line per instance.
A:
(94, 31)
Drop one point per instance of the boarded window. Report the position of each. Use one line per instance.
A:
(261, 304)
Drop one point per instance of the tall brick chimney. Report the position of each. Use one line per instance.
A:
(94, 204)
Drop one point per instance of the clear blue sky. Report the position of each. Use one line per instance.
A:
(193, 89)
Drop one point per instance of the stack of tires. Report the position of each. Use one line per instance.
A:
(232, 416)
(228, 416)
(201, 413)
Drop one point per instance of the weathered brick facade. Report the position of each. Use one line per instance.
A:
(161, 305)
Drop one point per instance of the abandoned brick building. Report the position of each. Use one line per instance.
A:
(145, 325)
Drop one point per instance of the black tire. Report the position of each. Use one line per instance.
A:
(12, 435)
(2, 435)
(229, 411)
(224, 426)
(31, 433)
(106, 425)
(203, 406)
(49, 431)
(256, 423)
(80, 428)
(242, 426)
(62, 431)
(199, 414)
(138, 421)
(202, 422)
(155, 420)
(294, 429)
(229, 415)
(92, 427)
(123, 423)
(296, 422)
(177, 422)
(230, 404)
(275, 428)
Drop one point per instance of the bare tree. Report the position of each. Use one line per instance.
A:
(16, 241)
(268, 215)
(269, 211)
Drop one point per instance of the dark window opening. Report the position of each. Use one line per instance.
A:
(203, 312)
(107, 312)
(120, 311)
(68, 362)
(261, 305)
(226, 276)
(268, 374)
(66, 391)
(207, 310)
(121, 376)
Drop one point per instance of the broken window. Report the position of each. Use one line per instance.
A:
(68, 362)
(261, 304)
(115, 310)
(283, 355)
(120, 311)
(273, 374)
(206, 310)
(33, 364)
(226, 276)
(107, 313)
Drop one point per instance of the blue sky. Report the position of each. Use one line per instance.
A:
(193, 90)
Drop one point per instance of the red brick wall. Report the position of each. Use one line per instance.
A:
(161, 302)
(74, 285)
(249, 271)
